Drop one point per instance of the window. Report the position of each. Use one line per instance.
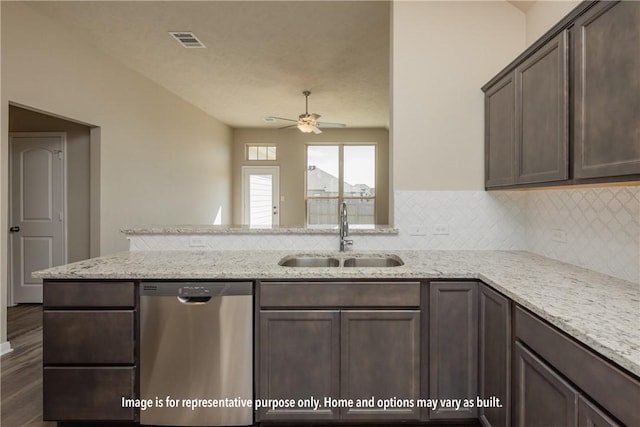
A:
(260, 152)
(341, 173)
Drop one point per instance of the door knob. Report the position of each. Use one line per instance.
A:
(14, 229)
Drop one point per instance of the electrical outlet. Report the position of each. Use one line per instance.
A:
(559, 235)
(441, 229)
(197, 241)
(417, 230)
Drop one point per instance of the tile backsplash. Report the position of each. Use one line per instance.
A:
(474, 220)
(595, 228)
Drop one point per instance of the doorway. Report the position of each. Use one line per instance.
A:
(261, 196)
(37, 209)
(81, 179)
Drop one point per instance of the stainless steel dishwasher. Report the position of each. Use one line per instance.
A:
(196, 348)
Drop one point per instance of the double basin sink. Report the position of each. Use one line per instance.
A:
(350, 261)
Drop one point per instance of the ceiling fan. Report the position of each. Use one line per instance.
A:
(306, 122)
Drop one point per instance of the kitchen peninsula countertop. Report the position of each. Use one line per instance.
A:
(245, 229)
(598, 310)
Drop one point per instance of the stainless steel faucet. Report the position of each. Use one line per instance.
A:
(344, 227)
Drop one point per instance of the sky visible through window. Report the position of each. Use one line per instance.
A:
(357, 158)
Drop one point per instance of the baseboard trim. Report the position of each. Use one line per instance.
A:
(5, 348)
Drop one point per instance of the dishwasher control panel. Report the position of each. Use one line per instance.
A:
(195, 289)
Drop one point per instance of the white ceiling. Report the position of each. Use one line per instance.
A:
(260, 55)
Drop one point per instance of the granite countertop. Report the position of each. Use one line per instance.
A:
(598, 310)
(245, 229)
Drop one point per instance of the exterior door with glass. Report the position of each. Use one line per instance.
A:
(261, 195)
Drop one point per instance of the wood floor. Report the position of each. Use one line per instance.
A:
(21, 370)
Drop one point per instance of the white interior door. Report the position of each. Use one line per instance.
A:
(261, 195)
(37, 210)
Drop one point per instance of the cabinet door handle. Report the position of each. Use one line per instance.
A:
(14, 229)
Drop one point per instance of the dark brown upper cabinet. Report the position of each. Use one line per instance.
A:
(607, 90)
(500, 132)
(527, 120)
(567, 111)
(542, 114)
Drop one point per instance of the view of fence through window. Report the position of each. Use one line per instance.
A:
(337, 173)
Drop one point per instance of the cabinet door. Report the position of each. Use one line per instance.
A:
(542, 398)
(299, 357)
(499, 107)
(591, 416)
(542, 108)
(495, 357)
(453, 346)
(380, 360)
(607, 90)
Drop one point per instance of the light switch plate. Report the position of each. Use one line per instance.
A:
(197, 241)
(441, 229)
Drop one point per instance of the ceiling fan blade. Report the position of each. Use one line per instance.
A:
(280, 118)
(330, 125)
(316, 130)
(287, 127)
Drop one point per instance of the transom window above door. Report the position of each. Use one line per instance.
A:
(260, 152)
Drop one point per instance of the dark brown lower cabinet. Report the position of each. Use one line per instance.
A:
(589, 415)
(453, 347)
(542, 397)
(89, 350)
(494, 348)
(616, 392)
(299, 358)
(380, 362)
(366, 355)
(355, 358)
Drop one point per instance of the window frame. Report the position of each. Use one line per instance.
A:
(340, 197)
(268, 145)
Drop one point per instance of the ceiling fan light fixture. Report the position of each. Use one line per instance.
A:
(306, 127)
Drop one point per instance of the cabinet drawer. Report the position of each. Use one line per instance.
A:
(89, 294)
(339, 294)
(613, 389)
(88, 337)
(74, 394)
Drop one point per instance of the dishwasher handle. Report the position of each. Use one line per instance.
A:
(194, 300)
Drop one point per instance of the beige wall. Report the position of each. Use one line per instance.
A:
(78, 174)
(291, 145)
(443, 53)
(162, 160)
(545, 14)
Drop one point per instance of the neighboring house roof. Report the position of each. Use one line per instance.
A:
(322, 183)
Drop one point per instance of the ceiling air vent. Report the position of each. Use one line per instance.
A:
(187, 39)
